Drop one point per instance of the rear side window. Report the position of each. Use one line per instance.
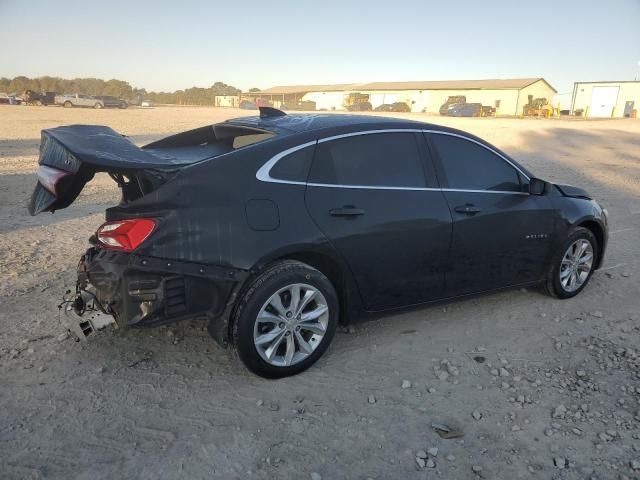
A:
(375, 160)
(469, 166)
(295, 166)
(246, 140)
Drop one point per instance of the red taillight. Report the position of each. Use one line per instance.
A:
(49, 177)
(125, 235)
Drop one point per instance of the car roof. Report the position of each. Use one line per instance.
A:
(306, 122)
(286, 125)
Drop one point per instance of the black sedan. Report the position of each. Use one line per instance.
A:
(279, 227)
(393, 107)
(113, 102)
(466, 110)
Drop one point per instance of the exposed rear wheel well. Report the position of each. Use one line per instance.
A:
(596, 229)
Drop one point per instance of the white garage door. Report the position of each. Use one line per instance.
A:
(603, 99)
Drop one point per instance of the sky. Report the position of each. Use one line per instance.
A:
(170, 45)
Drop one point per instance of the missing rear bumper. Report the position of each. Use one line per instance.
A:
(82, 317)
(147, 292)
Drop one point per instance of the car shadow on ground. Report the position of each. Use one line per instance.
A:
(544, 150)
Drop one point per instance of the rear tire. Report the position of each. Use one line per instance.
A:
(285, 319)
(573, 264)
(98, 105)
(68, 105)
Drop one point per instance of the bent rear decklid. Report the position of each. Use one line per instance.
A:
(71, 155)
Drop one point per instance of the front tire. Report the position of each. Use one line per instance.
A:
(98, 105)
(285, 319)
(573, 264)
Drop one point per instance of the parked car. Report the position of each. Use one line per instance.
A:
(466, 110)
(78, 100)
(360, 107)
(113, 102)
(31, 97)
(393, 107)
(451, 103)
(278, 227)
(14, 99)
(147, 104)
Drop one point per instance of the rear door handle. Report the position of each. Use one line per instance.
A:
(346, 211)
(468, 209)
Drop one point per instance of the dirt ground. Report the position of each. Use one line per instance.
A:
(540, 388)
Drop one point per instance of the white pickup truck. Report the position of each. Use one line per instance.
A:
(78, 100)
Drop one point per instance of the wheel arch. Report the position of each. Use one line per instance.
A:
(322, 259)
(337, 273)
(598, 231)
(327, 261)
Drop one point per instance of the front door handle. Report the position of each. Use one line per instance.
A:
(468, 209)
(346, 211)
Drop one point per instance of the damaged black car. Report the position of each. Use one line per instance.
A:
(279, 227)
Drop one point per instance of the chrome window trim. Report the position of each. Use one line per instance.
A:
(451, 134)
(482, 191)
(263, 173)
(369, 132)
(421, 189)
(372, 187)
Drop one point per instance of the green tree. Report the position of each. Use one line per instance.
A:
(117, 88)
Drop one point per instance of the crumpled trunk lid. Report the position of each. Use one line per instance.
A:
(81, 151)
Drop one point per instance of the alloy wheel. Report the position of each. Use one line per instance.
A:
(291, 325)
(576, 265)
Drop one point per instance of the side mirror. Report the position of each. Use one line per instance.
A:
(537, 186)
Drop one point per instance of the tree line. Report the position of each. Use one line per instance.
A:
(116, 88)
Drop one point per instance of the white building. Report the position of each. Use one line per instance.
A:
(226, 101)
(606, 99)
(508, 96)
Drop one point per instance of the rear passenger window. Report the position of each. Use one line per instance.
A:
(295, 166)
(469, 166)
(375, 160)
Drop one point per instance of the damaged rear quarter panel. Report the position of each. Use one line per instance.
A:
(203, 217)
(203, 222)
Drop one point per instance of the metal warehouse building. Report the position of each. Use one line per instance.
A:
(606, 99)
(508, 96)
